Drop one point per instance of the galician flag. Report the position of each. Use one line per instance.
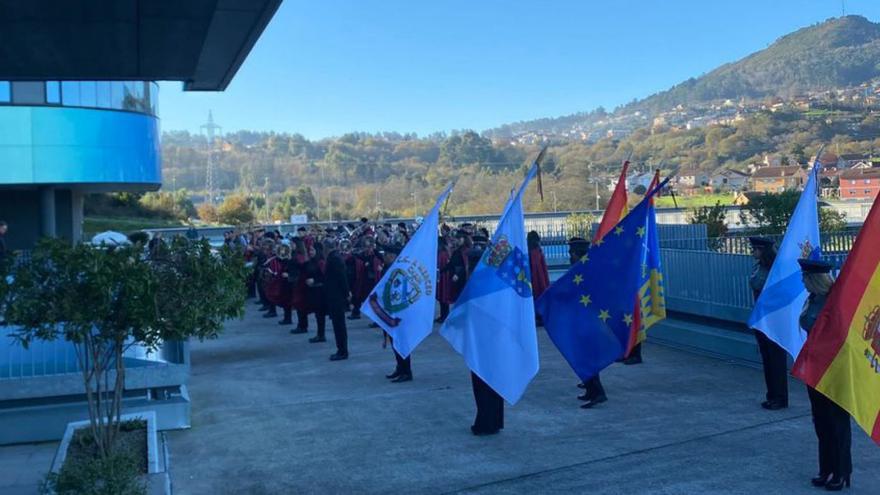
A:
(778, 308)
(492, 325)
(841, 358)
(402, 303)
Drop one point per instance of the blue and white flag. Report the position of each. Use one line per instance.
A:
(492, 325)
(778, 308)
(402, 303)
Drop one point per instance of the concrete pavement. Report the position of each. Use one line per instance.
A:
(272, 415)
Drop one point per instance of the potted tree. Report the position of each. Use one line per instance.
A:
(104, 300)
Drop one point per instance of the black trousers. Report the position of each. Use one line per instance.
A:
(834, 431)
(340, 332)
(775, 361)
(444, 311)
(636, 351)
(302, 319)
(593, 388)
(490, 407)
(404, 365)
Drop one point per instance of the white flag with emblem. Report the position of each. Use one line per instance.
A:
(403, 301)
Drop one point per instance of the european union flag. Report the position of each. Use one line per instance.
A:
(589, 312)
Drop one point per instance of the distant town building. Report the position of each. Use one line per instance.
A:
(778, 179)
(860, 184)
(691, 178)
(729, 179)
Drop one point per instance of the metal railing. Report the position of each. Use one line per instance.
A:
(832, 242)
(58, 357)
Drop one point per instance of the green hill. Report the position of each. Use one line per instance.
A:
(839, 52)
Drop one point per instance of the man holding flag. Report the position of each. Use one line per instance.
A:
(492, 324)
(589, 312)
(594, 391)
(402, 303)
(777, 310)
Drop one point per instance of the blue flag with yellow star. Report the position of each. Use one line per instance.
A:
(589, 312)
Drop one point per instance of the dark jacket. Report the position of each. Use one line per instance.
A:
(811, 311)
(336, 289)
(758, 279)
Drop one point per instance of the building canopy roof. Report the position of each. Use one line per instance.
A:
(199, 42)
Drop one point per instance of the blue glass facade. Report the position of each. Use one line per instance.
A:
(67, 146)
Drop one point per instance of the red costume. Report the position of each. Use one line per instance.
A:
(445, 289)
(368, 272)
(540, 274)
(274, 287)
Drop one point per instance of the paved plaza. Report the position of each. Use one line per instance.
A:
(271, 415)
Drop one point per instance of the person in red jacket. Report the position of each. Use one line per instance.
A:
(368, 271)
(539, 272)
(444, 278)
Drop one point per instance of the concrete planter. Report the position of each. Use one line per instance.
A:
(157, 479)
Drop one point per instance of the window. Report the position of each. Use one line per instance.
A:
(867, 191)
(4, 92)
(28, 92)
(852, 182)
(103, 94)
(867, 181)
(53, 92)
(88, 93)
(70, 93)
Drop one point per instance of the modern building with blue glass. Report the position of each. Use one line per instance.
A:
(79, 114)
(61, 140)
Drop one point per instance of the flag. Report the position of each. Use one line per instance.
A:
(777, 311)
(841, 358)
(651, 301)
(589, 313)
(616, 209)
(492, 325)
(402, 303)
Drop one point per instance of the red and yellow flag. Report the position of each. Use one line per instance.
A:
(841, 358)
(616, 209)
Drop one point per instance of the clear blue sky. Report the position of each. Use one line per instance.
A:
(333, 66)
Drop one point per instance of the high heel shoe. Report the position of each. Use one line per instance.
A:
(820, 480)
(836, 484)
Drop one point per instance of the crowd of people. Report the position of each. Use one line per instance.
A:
(328, 271)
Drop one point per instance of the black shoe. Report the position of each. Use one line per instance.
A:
(582, 385)
(315, 340)
(271, 314)
(632, 360)
(820, 480)
(835, 484)
(594, 402)
(299, 330)
(393, 375)
(354, 317)
(373, 325)
(481, 433)
(285, 322)
(338, 357)
(404, 377)
(774, 405)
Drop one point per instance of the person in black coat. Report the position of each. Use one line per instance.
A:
(831, 422)
(773, 356)
(594, 391)
(336, 297)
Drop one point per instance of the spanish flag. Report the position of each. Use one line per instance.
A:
(841, 357)
(616, 209)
